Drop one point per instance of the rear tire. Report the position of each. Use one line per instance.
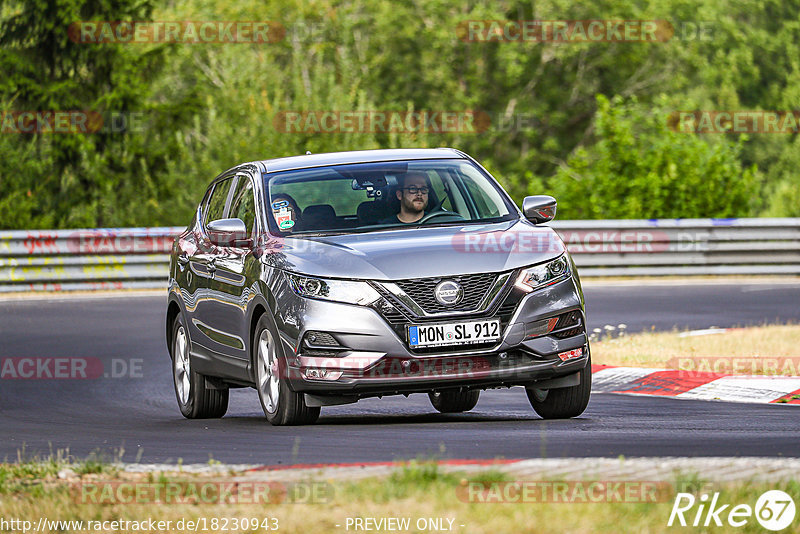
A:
(454, 401)
(195, 399)
(563, 403)
(281, 405)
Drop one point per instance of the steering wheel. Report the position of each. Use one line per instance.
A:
(439, 213)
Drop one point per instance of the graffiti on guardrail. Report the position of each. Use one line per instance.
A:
(39, 243)
(100, 241)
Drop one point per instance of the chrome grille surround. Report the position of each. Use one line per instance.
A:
(417, 296)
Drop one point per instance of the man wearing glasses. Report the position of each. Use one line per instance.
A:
(413, 197)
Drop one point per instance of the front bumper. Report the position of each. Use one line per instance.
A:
(378, 361)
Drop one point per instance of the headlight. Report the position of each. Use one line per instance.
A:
(543, 275)
(335, 290)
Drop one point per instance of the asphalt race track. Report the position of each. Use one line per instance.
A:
(137, 413)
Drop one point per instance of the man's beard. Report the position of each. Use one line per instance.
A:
(411, 207)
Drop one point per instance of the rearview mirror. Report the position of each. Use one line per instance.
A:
(229, 233)
(539, 208)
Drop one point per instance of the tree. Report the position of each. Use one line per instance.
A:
(640, 169)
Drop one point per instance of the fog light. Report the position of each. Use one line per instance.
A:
(570, 354)
(320, 339)
(321, 374)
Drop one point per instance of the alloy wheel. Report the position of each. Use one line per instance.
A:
(182, 365)
(268, 372)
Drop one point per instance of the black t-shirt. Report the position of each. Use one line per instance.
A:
(394, 220)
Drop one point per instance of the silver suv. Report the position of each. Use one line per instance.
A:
(323, 279)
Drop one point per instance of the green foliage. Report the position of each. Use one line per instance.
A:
(584, 121)
(28, 473)
(639, 168)
(94, 179)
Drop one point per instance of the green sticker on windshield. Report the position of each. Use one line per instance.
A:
(285, 225)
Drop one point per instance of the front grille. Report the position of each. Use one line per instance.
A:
(391, 313)
(399, 318)
(509, 305)
(475, 286)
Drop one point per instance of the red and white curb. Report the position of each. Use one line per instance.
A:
(696, 385)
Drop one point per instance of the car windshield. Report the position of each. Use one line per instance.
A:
(376, 196)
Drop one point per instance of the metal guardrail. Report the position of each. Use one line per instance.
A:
(683, 247)
(64, 260)
(125, 258)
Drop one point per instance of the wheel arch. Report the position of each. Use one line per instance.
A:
(260, 306)
(173, 310)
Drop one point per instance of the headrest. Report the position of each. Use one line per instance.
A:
(369, 211)
(319, 211)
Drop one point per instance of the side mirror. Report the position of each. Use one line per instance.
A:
(539, 209)
(229, 233)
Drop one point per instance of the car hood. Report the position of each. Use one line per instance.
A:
(418, 252)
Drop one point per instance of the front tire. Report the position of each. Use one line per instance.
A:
(454, 401)
(195, 399)
(563, 403)
(281, 405)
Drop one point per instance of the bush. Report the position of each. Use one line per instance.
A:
(640, 169)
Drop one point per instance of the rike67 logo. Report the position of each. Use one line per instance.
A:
(774, 510)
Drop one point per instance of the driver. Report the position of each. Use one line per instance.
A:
(413, 197)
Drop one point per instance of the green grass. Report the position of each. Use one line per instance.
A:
(29, 473)
(415, 489)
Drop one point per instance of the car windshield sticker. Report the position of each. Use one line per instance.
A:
(284, 219)
(280, 204)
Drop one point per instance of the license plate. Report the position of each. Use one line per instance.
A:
(465, 333)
